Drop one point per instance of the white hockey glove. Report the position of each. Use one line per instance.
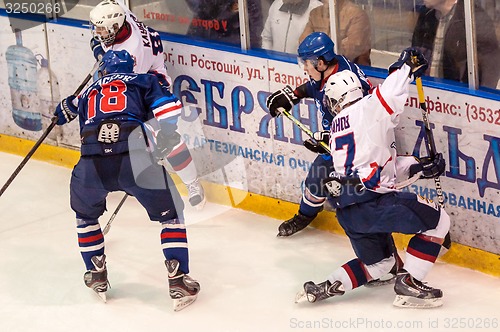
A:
(314, 144)
(284, 98)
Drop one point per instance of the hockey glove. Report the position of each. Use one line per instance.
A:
(336, 182)
(96, 47)
(429, 168)
(413, 58)
(284, 98)
(66, 111)
(165, 143)
(314, 144)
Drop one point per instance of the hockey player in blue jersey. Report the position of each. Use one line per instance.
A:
(317, 56)
(120, 152)
(369, 207)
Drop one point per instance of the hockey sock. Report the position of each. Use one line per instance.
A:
(421, 255)
(182, 162)
(352, 274)
(90, 240)
(310, 205)
(174, 243)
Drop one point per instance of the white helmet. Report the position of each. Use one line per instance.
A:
(106, 19)
(341, 89)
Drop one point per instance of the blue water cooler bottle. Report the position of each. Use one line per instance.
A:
(21, 63)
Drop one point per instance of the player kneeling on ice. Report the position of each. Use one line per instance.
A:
(362, 188)
(120, 152)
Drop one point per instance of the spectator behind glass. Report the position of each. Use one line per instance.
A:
(355, 31)
(219, 20)
(285, 23)
(440, 35)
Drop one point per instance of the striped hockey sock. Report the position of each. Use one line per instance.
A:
(174, 243)
(421, 255)
(90, 240)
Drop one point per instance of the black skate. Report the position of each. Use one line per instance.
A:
(412, 293)
(183, 289)
(97, 278)
(293, 225)
(319, 292)
(390, 277)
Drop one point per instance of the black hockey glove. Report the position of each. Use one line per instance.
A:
(66, 111)
(335, 183)
(314, 144)
(284, 98)
(429, 168)
(165, 143)
(413, 58)
(97, 49)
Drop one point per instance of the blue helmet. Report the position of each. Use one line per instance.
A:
(316, 45)
(116, 62)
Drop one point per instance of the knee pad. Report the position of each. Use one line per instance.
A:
(442, 227)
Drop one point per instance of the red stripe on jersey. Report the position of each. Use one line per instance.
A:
(383, 102)
(351, 275)
(421, 255)
(173, 235)
(90, 238)
(166, 110)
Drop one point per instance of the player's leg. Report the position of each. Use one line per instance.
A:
(375, 259)
(166, 206)
(88, 200)
(182, 163)
(313, 198)
(423, 250)
(408, 214)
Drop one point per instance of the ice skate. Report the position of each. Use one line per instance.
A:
(183, 289)
(412, 293)
(319, 292)
(293, 225)
(196, 195)
(389, 278)
(97, 278)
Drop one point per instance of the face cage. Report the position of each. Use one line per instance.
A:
(331, 104)
(109, 38)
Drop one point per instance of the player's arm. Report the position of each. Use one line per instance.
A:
(286, 98)
(166, 108)
(390, 97)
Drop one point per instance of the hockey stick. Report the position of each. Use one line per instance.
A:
(308, 132)
(431, 149)
(45, 133)
(108, 225)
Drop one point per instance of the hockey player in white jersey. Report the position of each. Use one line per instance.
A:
(114, 27)
(362, 188)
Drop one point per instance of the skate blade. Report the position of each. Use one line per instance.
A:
(380, 282)
(183, 302)
(101, 295)
(404, 301)
(302, 297)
